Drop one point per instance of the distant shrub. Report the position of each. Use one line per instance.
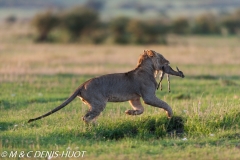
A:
(44, 23)
(97, 35)
(232, 22)
(125, 30)
(180, 25)
(79, 21)
(118, 27)
(136, 28)
(156, 31)
(206, 24)
(82, 24)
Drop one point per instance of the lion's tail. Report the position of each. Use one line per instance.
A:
(66, 102)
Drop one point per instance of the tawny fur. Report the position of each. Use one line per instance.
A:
(119, 87)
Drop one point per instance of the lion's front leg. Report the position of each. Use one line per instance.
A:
(137, 107)
(152, 100)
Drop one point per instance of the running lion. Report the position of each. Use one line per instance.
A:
(120, 87)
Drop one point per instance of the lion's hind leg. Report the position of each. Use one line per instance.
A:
(90, 116)
(94, 112)
(137, 107)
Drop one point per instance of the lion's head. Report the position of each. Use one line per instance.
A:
(158, 60)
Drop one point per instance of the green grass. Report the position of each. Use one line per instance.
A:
(205, 124)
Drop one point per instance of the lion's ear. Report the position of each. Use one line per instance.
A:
(151, 53)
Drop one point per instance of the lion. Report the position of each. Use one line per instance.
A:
(119, 87)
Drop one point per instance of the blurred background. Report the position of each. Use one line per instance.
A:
(91, 36)
(120, 21)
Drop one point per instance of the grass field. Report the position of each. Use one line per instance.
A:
(35, 78)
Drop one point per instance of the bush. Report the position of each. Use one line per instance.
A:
(232, 22)
(44, 24)
(118, 27)
(82, 24)
(156, 31)
(97, 35)
(136, 29)
(180, 25)
(79, 21)
(206, 24)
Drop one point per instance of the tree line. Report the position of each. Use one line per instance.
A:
(82, 24)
